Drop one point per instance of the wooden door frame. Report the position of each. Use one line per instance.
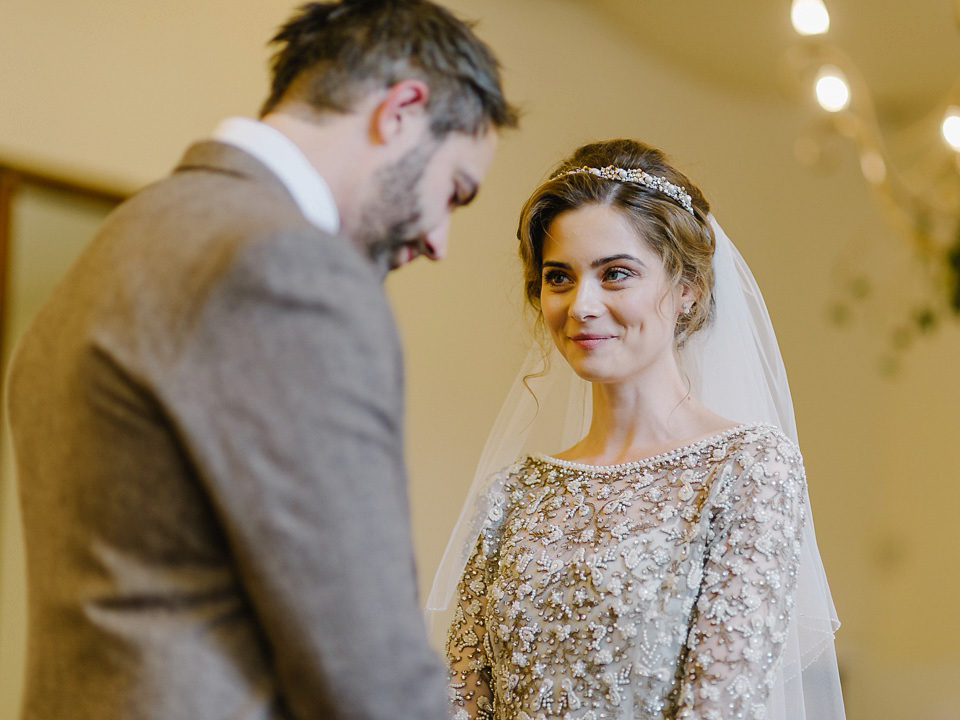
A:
(13, 178)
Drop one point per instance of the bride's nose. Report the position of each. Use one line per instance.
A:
(584, 302)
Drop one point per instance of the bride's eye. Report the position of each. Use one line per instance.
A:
(616, 274)
(555, 277)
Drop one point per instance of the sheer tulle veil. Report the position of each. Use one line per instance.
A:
(735, 368)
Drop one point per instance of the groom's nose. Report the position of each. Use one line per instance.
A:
(435, 243)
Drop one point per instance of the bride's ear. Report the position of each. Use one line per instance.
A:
(688, 297)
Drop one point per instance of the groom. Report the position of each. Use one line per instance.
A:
(207, 413)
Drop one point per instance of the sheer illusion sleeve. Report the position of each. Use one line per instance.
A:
(746, 597)
(468, 646)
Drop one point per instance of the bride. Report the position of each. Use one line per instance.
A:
(664, 565)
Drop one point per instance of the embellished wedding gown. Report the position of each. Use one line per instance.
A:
(660, 588)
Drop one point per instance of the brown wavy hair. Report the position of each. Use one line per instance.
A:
(332, 53)
(684, 242)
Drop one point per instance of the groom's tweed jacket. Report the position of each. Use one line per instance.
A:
(207, 419)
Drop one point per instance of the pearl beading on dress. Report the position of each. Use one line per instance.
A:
(659, 588)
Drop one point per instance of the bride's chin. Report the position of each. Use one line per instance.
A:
(587, 366)
(585, 372)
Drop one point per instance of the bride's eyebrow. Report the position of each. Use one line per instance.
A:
(599, 262)
(613, 258)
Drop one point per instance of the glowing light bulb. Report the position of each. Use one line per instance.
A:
(810, 17)
(951, 127)
(832, 90)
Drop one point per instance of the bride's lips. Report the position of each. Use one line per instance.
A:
(589, 341)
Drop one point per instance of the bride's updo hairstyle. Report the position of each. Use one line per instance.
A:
(683, 240)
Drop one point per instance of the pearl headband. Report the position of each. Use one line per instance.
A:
(640, 177)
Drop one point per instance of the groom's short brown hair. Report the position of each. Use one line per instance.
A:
(331, 54)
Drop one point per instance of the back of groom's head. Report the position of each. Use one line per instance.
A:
(332, 54)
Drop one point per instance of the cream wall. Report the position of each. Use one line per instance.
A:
(131, 85)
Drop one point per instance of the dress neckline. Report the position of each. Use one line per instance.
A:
(653, 459)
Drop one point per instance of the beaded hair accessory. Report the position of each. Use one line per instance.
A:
(638, 176)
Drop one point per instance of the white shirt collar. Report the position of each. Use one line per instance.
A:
(288, 163)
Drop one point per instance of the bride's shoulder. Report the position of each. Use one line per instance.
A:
(523, 468)
(766, 456)
(766, 437)
(527, 472)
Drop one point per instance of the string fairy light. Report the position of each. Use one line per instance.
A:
(810, 17)
(831, 89)
(921, 192)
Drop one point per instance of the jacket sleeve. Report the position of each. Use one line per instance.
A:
(288, 396)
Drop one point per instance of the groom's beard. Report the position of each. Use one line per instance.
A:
(390, 228)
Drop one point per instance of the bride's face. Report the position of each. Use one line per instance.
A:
(606, 298)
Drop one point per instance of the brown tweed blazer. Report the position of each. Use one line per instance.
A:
(207, 420)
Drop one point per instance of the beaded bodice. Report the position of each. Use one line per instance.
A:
(655, 589)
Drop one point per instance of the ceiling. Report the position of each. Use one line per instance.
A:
(907, 51)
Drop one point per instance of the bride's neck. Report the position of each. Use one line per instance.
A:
(642, 418)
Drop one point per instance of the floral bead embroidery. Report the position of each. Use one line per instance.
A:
(660, 588)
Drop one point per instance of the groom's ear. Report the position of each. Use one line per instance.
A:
(401, 117)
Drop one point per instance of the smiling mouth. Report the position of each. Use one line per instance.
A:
(588, 342)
